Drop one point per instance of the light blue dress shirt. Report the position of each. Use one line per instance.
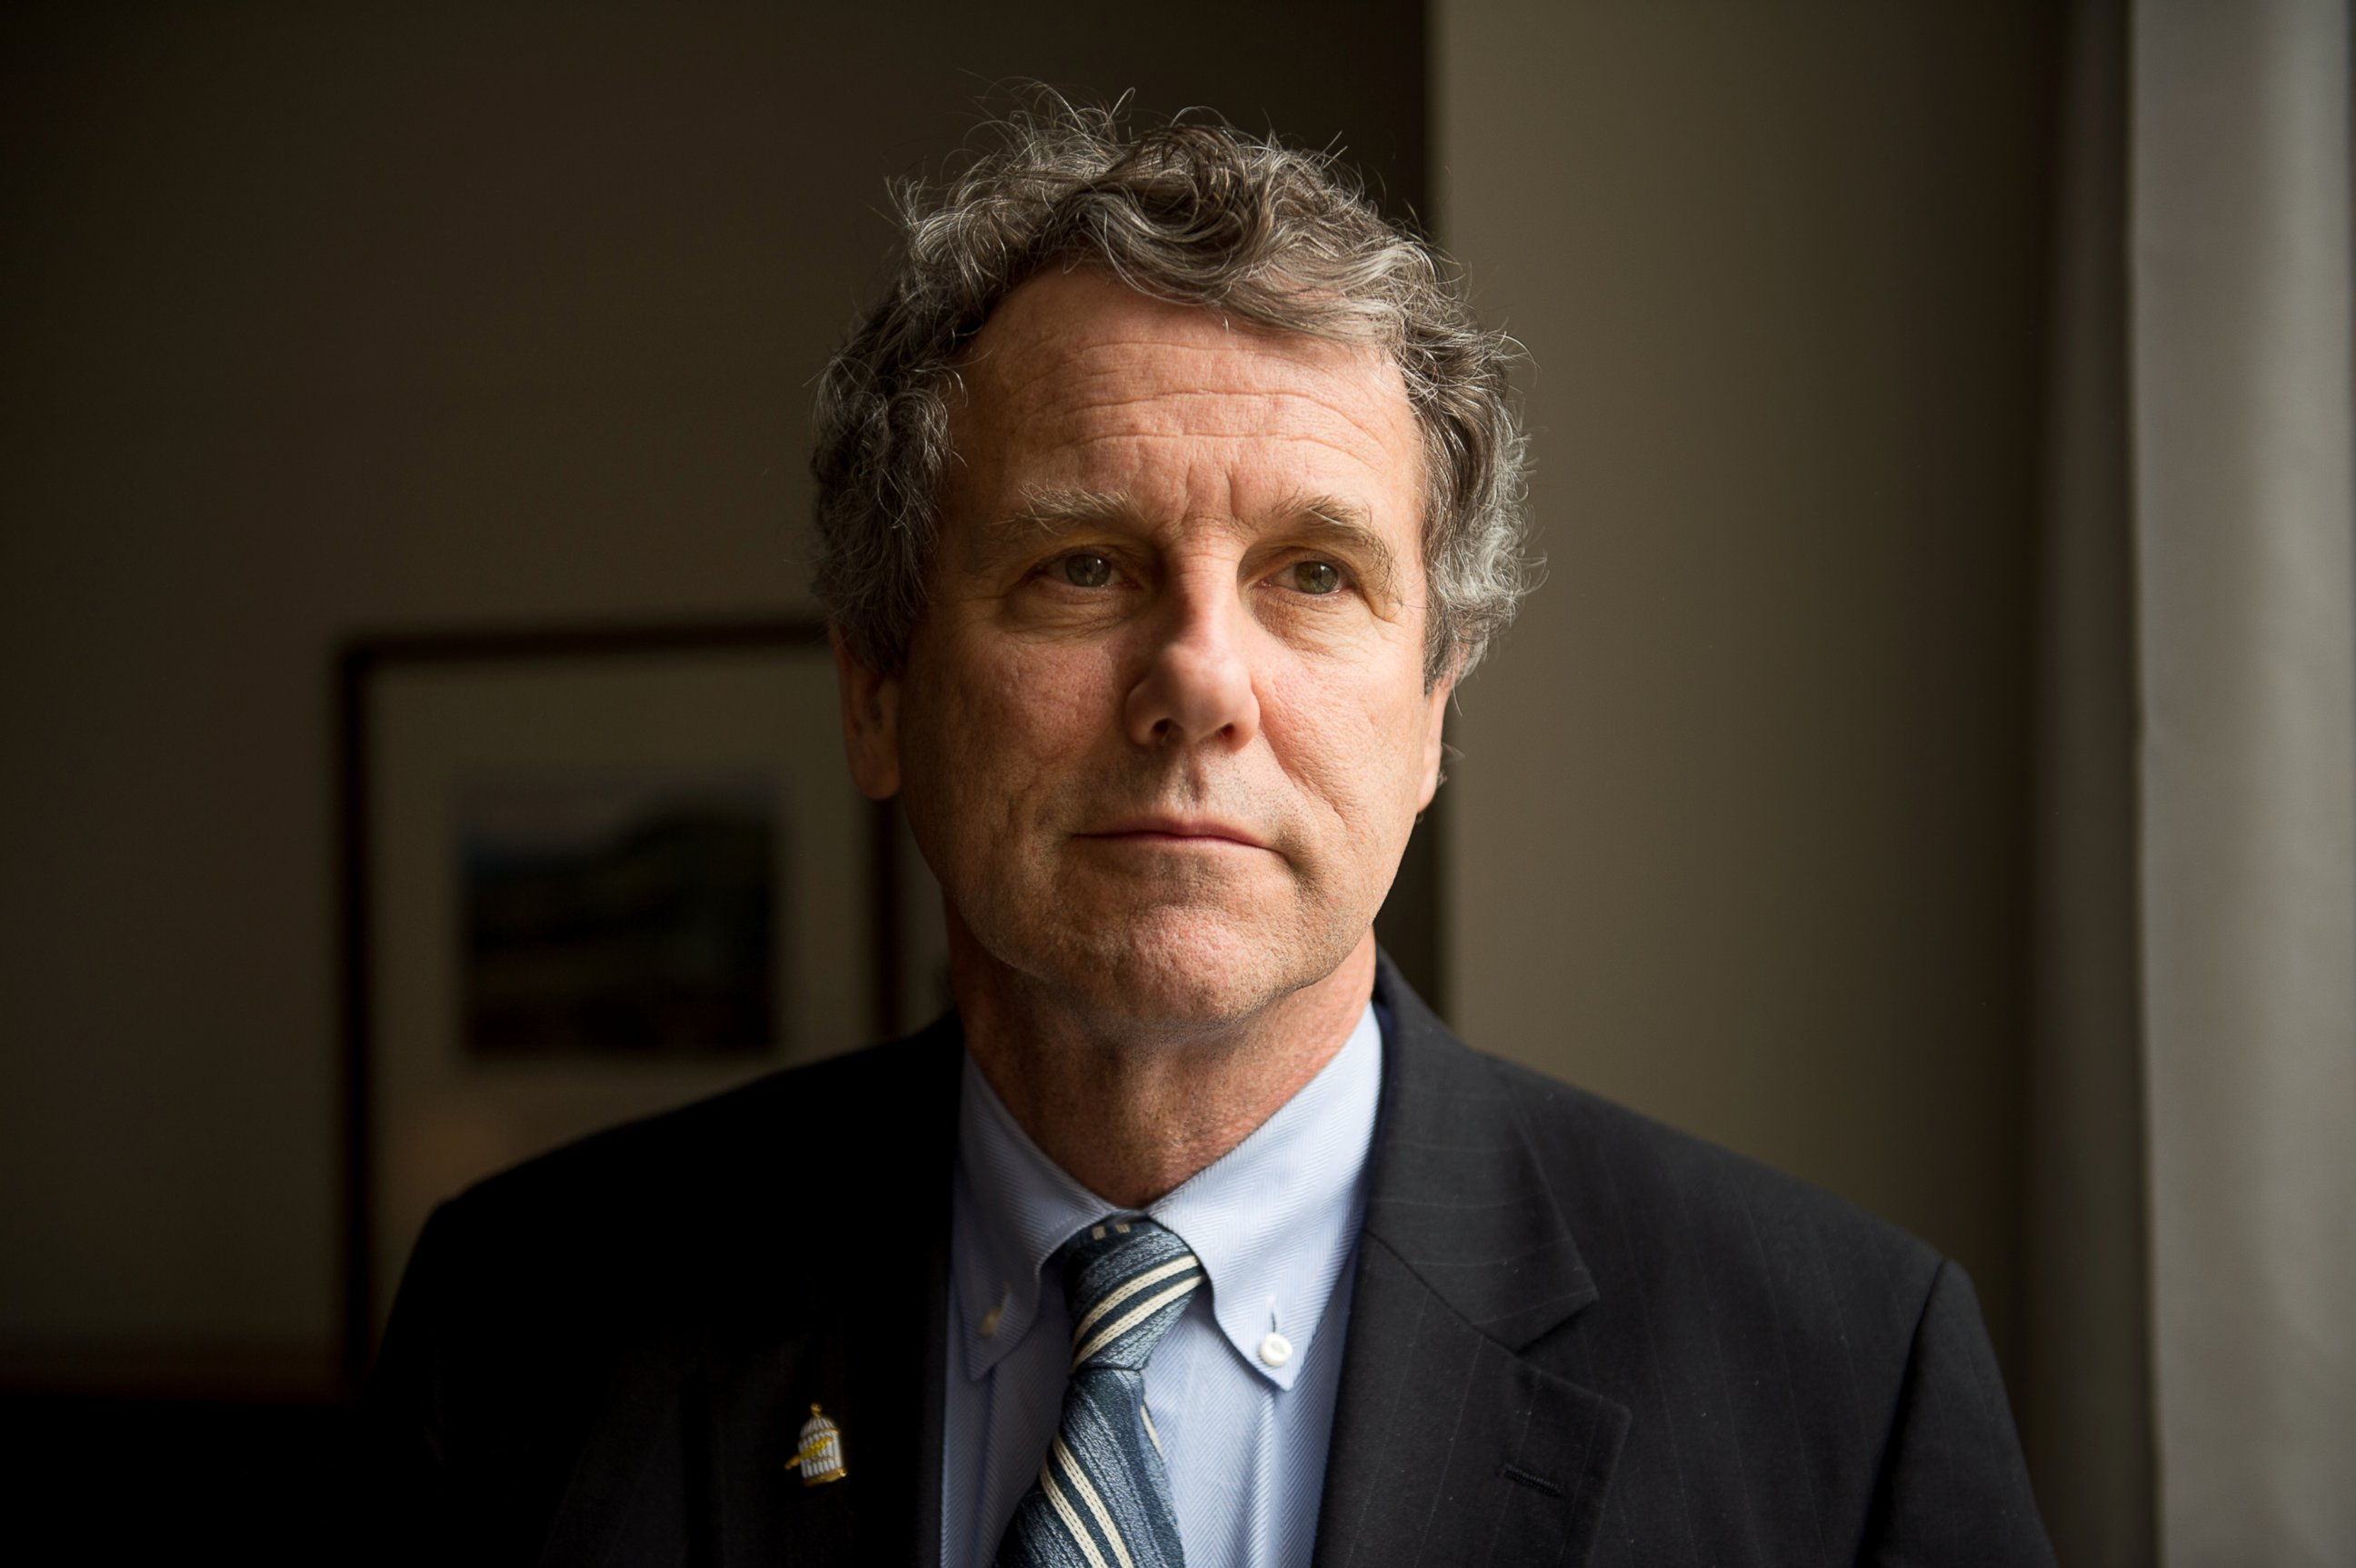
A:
(1240, 1391)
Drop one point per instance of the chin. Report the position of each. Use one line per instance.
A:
(1179, 968)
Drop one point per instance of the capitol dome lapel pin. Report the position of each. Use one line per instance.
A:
(820, 1457)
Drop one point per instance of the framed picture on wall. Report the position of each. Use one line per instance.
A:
(587, 876)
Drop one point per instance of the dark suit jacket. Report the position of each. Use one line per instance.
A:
(1577, 1338)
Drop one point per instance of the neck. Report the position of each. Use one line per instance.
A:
(1130, 1108)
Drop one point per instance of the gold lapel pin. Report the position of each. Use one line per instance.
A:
(820, 1457)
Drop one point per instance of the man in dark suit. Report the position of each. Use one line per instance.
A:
(1163, 502)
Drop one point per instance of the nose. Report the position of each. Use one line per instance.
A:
(1196, 685)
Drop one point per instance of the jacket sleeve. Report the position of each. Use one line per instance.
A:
(408, 1505)
(1952, 1487)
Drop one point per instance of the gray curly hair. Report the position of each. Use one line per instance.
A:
(1190, 213)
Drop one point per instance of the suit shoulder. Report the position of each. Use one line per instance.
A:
(683, 1165)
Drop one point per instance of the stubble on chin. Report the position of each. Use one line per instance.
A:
(1180, 952)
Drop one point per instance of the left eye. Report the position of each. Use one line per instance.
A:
(1316, 576)
(1086, 571)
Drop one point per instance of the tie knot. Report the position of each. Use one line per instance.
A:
(1126, 1282)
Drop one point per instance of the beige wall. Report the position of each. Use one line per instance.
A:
(318, 320)
(1739, 833)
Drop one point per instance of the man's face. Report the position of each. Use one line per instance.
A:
(1163, 730)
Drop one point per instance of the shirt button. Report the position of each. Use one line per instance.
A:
(990, 1321)
(1276, 1350)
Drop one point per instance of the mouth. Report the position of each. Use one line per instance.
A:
(1176, 832)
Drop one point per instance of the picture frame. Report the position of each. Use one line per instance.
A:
(586, 875)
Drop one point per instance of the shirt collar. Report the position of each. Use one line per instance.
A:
(1014, 1207)
(1274, 1220)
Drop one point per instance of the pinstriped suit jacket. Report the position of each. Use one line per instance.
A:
(1577, 1338)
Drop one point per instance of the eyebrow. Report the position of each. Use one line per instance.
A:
(1047, 514)
(1344, 526)
(1052, 511)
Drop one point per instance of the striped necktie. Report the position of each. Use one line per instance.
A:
(1102, 1499)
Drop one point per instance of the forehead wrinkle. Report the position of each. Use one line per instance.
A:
(1133, 437)
(1181, 368)
(1065, 426)
(1321, 356)
(1242, 415)
(1338, 392)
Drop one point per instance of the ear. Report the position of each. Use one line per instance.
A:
(870, 721)
(1435, 723)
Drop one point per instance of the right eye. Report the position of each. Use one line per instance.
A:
(1083, 570)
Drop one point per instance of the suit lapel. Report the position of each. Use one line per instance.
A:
(1448, 1445)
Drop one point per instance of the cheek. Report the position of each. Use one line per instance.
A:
(1356, 749)
(998, 721)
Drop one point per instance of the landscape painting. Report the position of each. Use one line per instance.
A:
(620, 914)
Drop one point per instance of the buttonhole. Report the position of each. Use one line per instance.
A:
(1535, 1483)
